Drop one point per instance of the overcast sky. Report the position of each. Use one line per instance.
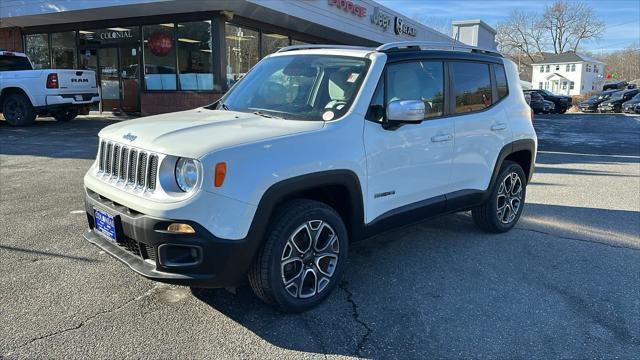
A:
(622, 17)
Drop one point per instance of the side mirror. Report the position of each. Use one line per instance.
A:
(405, 110)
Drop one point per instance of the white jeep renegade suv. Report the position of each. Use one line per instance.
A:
(316, 147)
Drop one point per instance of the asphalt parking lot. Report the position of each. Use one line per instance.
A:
(564, 284)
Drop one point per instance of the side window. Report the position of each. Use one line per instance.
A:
(421, 80)
(501, 81)
(472, 84)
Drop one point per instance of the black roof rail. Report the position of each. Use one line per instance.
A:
(434, 45)
(320, 46)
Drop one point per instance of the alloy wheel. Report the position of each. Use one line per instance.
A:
(509, 198)
(309, 259)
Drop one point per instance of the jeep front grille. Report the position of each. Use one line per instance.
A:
(129, 166)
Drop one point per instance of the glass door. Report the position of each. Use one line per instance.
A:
(109, 79)
(89, 61)
(130, 75)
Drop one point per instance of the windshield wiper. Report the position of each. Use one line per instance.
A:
(269, 116)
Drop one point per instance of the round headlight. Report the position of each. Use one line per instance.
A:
(186, 174)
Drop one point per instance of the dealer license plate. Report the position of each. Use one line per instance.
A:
(105, 225)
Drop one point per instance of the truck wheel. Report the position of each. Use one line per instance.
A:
(303, 257)
(65, 115)
(18, 111)
(502, 210)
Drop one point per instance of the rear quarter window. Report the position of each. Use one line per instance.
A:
(501, 81)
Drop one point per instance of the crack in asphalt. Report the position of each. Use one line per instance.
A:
(80, 324)
(355, 314)
(578, 239)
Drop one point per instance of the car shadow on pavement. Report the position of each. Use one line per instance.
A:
(443, 288)
(76, 139)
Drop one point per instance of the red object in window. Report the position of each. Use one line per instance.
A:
(608, 76)
(52, 81)
(160, 44)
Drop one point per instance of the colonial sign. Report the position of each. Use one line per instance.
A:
(115, 35)
(350, 7)
(403, 27)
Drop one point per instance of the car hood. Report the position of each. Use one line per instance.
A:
(195, 133)
(611, 102)
(590, 102)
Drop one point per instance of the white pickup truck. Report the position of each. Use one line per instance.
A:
(26, 93)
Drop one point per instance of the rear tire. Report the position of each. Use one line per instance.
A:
(65, 115)
(303, 257)
(502, 209)
(18, 111)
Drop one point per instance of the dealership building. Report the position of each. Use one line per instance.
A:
(157, 56)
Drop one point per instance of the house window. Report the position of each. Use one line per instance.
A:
(557, 67)
(588, 67)
(242, 51)
(564, 85)
(37, 49)
(571, 85)
(159, 57)
(540, 85)
(567, 68)
(541, 68)
(547, 68)
(194, 55)
(595, 68)
(573, 67)
(546, 85)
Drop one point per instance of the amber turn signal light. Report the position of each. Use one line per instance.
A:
(180, 228)
(221, 172)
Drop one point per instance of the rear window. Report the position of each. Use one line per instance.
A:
(14, 63)
(501, 81)
(472, 84)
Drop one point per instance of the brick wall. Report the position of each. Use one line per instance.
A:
(11, 39)
(159, 103)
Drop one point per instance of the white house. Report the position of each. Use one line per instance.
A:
(568, 74)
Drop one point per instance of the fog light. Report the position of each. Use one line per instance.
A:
(180, 228)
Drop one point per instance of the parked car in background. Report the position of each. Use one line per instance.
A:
(26, 93)
(614, 103)
(591, 104)
(629, 106)
(619, 85)
(561, 102)
(536, 101)
(548, 107)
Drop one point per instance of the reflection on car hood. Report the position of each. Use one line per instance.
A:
(195, 133)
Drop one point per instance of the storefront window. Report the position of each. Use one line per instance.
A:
(273, 42)
(194, 55)
(37, 46)
(63, 50)
(159, 57)
(242, 51)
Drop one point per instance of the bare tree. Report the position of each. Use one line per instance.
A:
(521, 33)
(626, 62)
(569, 23)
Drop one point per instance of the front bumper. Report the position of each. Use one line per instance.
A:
(588, 108)
(144, 245)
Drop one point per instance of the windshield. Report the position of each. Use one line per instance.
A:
(301, 87)
(636, 97)
(617, 96)
(547, 92)
(601, 96)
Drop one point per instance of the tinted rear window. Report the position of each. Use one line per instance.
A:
(472, 84)
(501, 81)
(14, 63)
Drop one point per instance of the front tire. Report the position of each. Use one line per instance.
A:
(65, 115)
(303, 257)
(502, 210)
(18, 111)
